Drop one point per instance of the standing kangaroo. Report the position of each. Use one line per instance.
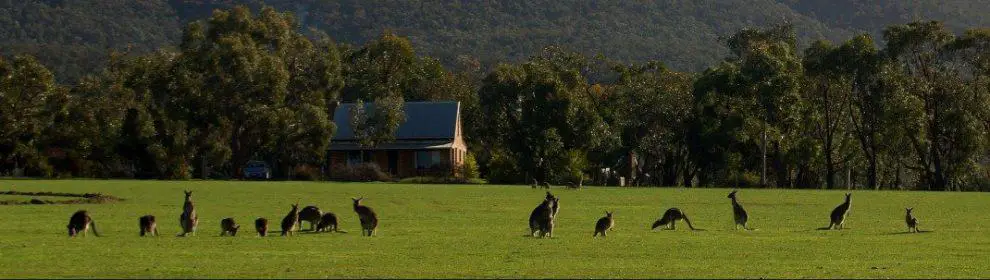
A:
(311, 214)
(261, 225)
(368, 217)
(290, 220)
(148, 225)
(604, 225)
(80, 222)
(228, 226)
(838, 217)
(538, 219)
(738, 212)
(912, 222)
(535, 184)
(328, 223)
(188, 219)
(669, 217)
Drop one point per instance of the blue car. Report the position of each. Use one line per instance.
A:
(257, 170)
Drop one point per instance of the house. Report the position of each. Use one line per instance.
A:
(429, 142)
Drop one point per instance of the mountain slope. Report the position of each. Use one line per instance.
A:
(74, 37)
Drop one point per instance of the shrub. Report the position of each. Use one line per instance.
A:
(441, 180)
(470, 168)
(364, 172)
(307, 172)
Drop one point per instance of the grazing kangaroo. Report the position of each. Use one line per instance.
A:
(669, 217)
(912, 222)
(542, 218)
(604, 225)
(228, 226)
(738, 212)
(577, 185)
(148, 225)
(80, 222)
(546, 185)
(368, 217)
(310, 214)
(261, 225)
(290, 220)
(188, 219)
(838, 217)
(328, 223)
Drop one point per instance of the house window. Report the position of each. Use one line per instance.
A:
(428, 159)
(354, 157)
(358, 157)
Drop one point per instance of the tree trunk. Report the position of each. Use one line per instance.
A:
(763, 158)
(871, 173)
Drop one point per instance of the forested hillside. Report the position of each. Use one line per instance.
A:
(74, 37)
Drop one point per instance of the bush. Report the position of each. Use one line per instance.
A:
(470, 168)
(364, 172)
(307, 172)
(441, 180)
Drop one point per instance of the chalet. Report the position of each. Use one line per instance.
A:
(429, 142)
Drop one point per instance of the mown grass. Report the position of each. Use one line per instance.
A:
(450, 231)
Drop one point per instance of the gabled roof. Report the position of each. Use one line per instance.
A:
(424, 120)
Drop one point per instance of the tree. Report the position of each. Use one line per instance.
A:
(939, 82)
(656, 111)
(245, 78)
(30, 100)
(760, 85)
(540, 111)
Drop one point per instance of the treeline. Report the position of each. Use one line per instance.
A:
(910, 113)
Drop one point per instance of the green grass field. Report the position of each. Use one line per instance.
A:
(437, 231)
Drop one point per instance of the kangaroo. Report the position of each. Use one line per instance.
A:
(310, 214)
(604, 225)
(148, 225)
(369, 219)
(671, 216)
(228, 226)
(261, 225)
(544, 210)
(839, 214)
(535, 184)
(912, 222)
(541, 220)
(738, 212)
(328, 223)
(546, 185)
(188, 220)
(575, 186)
(80, 222)
(290, 220)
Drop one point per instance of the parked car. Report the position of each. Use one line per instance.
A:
(257, 170)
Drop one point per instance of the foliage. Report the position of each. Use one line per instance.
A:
(363, 172)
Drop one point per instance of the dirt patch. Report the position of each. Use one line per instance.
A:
(84, 198)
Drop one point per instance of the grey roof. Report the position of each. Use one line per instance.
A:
(424, 120)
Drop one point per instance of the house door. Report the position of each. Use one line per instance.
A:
(393, 162)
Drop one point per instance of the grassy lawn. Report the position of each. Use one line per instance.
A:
(436, 231)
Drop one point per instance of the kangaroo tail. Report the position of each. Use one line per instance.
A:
(687, 221)
(93, 224)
